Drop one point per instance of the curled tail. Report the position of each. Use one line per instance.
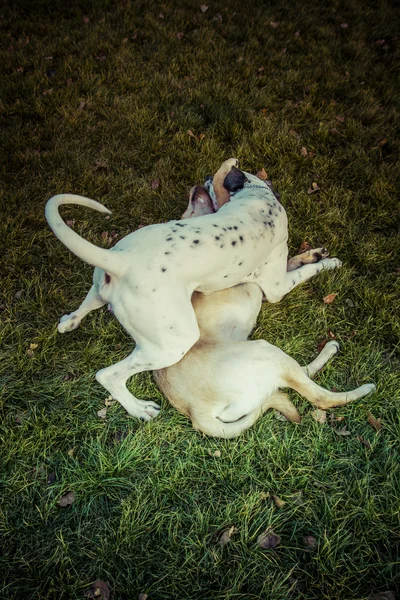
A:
(98, 257)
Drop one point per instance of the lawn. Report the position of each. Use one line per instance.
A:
(131, 103)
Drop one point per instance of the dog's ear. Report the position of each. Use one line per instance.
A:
(235, 180)
(222, 194)
(200, 203)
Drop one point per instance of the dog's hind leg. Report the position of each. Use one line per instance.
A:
(91, 302)
(329, 350)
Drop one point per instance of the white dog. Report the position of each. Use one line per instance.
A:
(149, 276)
(224, 383)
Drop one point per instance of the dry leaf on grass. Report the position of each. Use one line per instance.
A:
(304, 152)
(262, 174)
(203, 8)
(304, 247)
(334, 131)
(330, 298)
(331, 334)
(364, 442)
(382, 143)
(99, 590)
(375, 423)
(278, 501)
(314, 188)
(344, 25)
(268, 539)
(321, 345)
(226, 536)
(310, 541)
(30, 352)
(180, 35)
(319, 415)
(340, 119)
(143, 596)
(102, 413)
(66, 500)
(343, 431)
(155, 184)
(274, 24)
(190, 132)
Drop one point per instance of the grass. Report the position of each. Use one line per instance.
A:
(151, 500)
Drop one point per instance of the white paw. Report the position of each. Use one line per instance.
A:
(333, 347)
(331, 263)
(367, 388)
(68, 323)
(147, 410)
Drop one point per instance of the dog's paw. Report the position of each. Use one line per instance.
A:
(68, 323)
(148, 410)
(332, 347)
(330, 263)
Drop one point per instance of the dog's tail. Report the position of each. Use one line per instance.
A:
(98, 257)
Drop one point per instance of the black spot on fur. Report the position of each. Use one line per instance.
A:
(230, 228)
(107, 278)
(217, 237)
(294, 282)
(154, 289)
(174, 231)
(180, 224)
(163, 269)
(169, 239)
(234, 243)
(182, 237)
(270, 212)
(167, 252)
(235, 228)
(225, 276)
(215, 225)
(221, 246)
(240, 264)
(196, 241)
(317, 256)
(241, 238)
(235, 180)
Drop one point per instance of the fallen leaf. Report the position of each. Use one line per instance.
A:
(81, 105)
(304, 152)
(349, 302)
(262, 174)
(18, 294)
(69, 81)
(180, 35)
(217, 453)
(278, 501)
(48, 92)
(382, 143)
(330, 298)
(190, 132)
(314, 188)
(125, 40)
(86, 20)
(334, 419)
(364, 442)
(304, 247)
(331, 334)
(260, 69)
(226, 536)
(321, 345)
(268, 539)
(71, 452)
(143, 596)
(334, 131)
(70, 222)
(343, 431)
(375, 423)
(99, 590)
(66, 500)
(109, 401)
(30, 352)
(202, 136)
(319, 415)
(161, 16)
(340, 119)
(344, 25)
(310, 541)
(274, 24)
(102, 413)
(203, 8)
(294, 133)
(296, 34)
(264, 111)
(155, 184)
(383, 596)
(101, 164)
(101, 56)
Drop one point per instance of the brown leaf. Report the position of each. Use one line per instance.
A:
(190, 132)
(304, 247)
(314, 188)
(364, 442)
(268, 539)
(101, 164)
(180, 35)
(382, 143)
(226, 536)
(202, 136)
(343, 431)
(319, 415)
(262, 174)
(81, 106)
(70, 223)
(274, 24)
(260, 69)
(321, 345)
(375, 423)
(330, 298)
(344, 25)
(99, 590)
(161, 16)
(334, 131)
(278, 501)
(155, 184)
(86, 20)
(294, 133)
(340, 119)
(66, 500)
(310, 541)
(331, 334)
(48, 92)
(203, 8)
(304, 152)
(264, 111)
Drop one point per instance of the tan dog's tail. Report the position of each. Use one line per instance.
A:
(98, 257)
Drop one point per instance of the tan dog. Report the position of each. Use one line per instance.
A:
(224, 383)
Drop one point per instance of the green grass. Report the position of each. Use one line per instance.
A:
(152, 499)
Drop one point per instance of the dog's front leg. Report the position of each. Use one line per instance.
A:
(305, 258)
(91, 302)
